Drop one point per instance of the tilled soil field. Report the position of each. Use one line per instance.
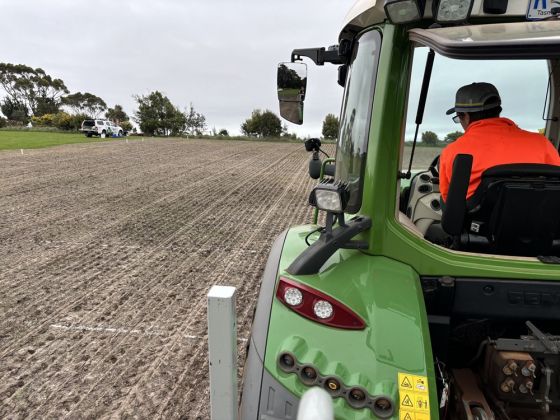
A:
(107, 252)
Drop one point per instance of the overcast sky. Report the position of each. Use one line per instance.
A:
(222, 55)
(521, 84)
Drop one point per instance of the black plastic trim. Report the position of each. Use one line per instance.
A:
(501, 299)
(453, 217)
(254, 365)
(277, 403)
(259, 331)
(319, 56)
(266, 399)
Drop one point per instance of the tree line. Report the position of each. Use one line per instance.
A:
(430, 138)
(33, 96)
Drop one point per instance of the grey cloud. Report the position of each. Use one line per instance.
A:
(222, 56)
(219, 55)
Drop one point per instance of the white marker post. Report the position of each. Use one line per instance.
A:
(222, 352)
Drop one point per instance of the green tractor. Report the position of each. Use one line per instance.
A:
(368, 304)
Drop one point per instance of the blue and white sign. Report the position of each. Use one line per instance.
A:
(540, 9)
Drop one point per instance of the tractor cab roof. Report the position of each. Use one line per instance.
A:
(518, 40)
(365, 13)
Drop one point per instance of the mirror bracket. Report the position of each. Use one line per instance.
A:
(319, 56)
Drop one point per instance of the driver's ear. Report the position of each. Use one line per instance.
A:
(466, 120)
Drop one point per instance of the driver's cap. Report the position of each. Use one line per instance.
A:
(476, 97)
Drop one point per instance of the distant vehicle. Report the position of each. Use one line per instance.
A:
(99, 127)
(115, 129)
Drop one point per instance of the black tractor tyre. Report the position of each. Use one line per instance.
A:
(89, 134)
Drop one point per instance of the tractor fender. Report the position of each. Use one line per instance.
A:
(255, 377)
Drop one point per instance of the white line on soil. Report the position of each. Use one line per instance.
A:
(122, 331)
(102, 329)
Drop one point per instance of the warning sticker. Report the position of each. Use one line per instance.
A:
(407, 400)
(420, 384)
(421, 403)
(411, 415)
(405, 382)
(406, 415)
(414, 397)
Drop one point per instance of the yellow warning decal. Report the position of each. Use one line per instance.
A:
(414, 397)
(406, 415)
(407, 400)
(411, 415)
(420, 384)
(405, 382)
(421, 403)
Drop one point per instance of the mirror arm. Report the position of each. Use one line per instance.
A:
(319, 56)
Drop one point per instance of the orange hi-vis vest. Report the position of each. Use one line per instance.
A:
(492, 142)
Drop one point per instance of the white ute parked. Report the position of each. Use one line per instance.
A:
(100, 127)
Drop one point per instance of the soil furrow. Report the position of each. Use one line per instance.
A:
(103, 309)
(171, 316)
(71, 274)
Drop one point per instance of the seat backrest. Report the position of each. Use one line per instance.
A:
(517, 209)
(453, 216)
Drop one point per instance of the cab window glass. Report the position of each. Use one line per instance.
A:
(356, 116)
(522, 85)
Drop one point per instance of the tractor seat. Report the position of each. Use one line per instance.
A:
(514, 211)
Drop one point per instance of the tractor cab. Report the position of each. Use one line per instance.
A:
(513, 212)
(399, 304)
(444, 59)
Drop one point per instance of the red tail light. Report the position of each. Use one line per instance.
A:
(317, 306)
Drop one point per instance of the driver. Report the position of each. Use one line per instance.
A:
(489, 138)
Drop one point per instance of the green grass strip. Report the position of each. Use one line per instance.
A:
(13, 140)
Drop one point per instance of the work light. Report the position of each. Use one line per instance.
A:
(404, 11)
(329, 197)
(451, 11)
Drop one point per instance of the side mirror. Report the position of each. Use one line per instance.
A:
(292, 84)
(292, 111)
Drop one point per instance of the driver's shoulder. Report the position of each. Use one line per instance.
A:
(452, 148)
(449, 152)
